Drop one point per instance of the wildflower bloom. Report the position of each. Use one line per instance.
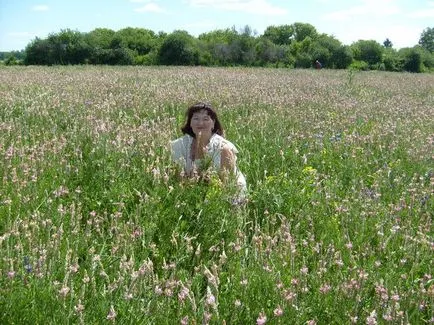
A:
(79, 307)
(372, 318)
(111, 314)
(210, 300)
(64, 291)
(183, 293)
(184, 320)
(158, 291)
(311, 322)
(262, 319)
(325, 288)
(278, 311)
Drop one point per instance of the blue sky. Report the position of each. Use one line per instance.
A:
(402, 21)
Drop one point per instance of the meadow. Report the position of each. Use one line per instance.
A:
(97, 227)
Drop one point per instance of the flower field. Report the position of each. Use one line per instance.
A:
(96, 225)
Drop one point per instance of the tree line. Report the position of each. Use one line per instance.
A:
(297, 45)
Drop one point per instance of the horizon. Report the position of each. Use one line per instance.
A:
(400, 21)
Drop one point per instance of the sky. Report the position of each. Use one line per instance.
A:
(401, 21)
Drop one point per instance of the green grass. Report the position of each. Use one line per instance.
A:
(94, 218)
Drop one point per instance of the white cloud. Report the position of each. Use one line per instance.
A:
(40, 8)
(250, 6)
(367, 8)
(150, 7)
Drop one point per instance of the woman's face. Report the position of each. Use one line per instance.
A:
(201, 122)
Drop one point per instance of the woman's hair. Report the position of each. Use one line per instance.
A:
(186, 129)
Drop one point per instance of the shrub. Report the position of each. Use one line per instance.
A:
(359, 65)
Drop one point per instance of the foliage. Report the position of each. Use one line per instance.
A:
(179, 48)
(12, 60)
(387, 43)
(367, 50)
(38, 52)
(296, 45)
(100, 38)
(411, 60)
(140, 40)
(426, 56)
(280, 35)
(216, 46)
(359, 65)
(342, 57)
(391, 60)
(18, 55)
(303, 30)
(427, 39)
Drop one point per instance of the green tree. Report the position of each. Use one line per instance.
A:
(387, 43)
(427, 39)
(369, 51)
(302, 51)
(100, 38)
(11, 60)
(341, 57)
(416, 59)
(391, 60)
(427, 57)
(303, 30)
(70, 47)
(281, 35)
(323, 49)
(412, 59)
(38, 52)
(179, 48)
(216, 44)
(223, 36)
(242, 48)
(267, 52)
(137, 39)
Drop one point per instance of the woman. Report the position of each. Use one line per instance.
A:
(203, 141)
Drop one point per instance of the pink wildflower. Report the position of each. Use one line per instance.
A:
(184, 321)
(325, 288)
(372, 318)
(278, 311)
(311, 322)
(64, 291)
(210, 300)
(262, 319)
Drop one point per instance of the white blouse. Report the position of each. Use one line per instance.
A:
(181, 153)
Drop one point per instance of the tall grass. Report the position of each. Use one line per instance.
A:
(96, 227)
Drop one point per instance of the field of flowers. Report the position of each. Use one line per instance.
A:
(96, 226)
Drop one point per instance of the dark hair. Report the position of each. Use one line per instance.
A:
(186, 129)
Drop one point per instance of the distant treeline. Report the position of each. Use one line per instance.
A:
(298, 45)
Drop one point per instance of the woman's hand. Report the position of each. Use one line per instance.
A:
(202, 140)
